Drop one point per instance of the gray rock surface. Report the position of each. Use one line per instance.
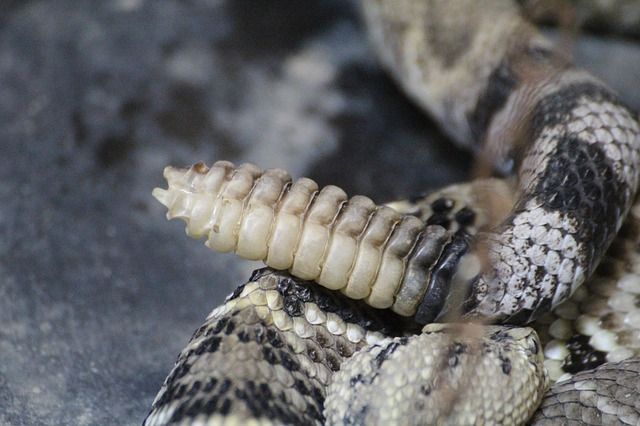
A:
(98, 293)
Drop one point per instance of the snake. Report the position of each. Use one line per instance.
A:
(502, 300)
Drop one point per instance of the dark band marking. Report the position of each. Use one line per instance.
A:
(433, 302)
(554, 108)
(442, 205)
(455, 350)
(543, 306)
(386, 353)
(422, 258)
(465, 217)
(582, 356)
(505, 363)
(502, 82)
(439, 220)
(580, 181)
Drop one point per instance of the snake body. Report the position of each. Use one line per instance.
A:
(495, 85)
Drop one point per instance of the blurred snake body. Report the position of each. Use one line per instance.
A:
(337, 338)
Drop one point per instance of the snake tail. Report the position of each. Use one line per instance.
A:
(349, 244)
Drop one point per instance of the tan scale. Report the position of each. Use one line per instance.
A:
(399, 382)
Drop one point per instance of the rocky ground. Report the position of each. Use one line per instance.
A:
(98, 292)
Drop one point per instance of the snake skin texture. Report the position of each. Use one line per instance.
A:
(513, 251)
(234, 348)
(268, 354)
(574, 147)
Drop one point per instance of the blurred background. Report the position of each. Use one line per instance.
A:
(98, 292)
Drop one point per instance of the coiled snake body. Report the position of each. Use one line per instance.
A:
(510, 251)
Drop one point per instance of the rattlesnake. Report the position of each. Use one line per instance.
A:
(500, 250)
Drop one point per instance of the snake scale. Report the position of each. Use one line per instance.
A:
(331, 331)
